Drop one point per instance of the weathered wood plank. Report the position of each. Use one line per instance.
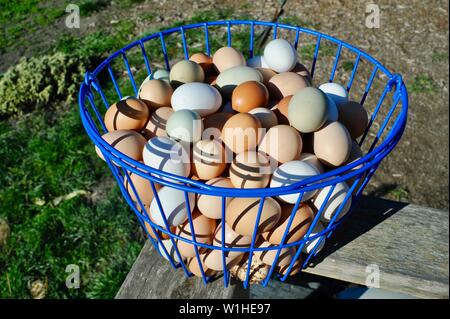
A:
(408, 243)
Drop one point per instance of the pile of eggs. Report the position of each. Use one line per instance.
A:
(237, 123)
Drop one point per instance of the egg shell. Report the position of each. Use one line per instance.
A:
(202, 59)
(308, 110)
(174, 206)
(156, 93)
(267, 74)
(142, 187)
(128, 114)
(203, 229)
(216, 120)
(159, 233)
(354, 116)
(284, 104)
(209, 159)
(274, 142)
(184, 125)
(186, 71)
(268, 256)
(355, 154)
(241, 132)
(313, 160)
(160, 74)
(229, 79)
(167, 155)
(303, 218)
(167, 243)
(284, 84)
(280, 55)
(332, 110)
(213, 260)
(258, 270)
(257, 62)
(249, 95)
(267, 117)
(211, 206)
(309, 246)
(199, 97)
(335, 91)
(337, 197)
(290, 173)
(194, 268)
(226, 58)
(250, 170)
(300, 69)
(294, 270)
(232, 240)
(242, 213)
(332, 144)
(156, 126)
(127, 142)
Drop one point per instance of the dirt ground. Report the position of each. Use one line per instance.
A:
(412, 40)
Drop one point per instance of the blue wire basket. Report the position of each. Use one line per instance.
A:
(386, 125)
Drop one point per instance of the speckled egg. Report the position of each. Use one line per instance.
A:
(258, 270)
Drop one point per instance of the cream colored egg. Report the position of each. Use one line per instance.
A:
(334, 202)
(286, 83)
(332, 144)
(274, 143)
(226, 58)
(211, 206)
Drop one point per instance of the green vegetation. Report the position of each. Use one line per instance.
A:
(423, 84)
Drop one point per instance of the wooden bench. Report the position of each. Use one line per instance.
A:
(409, 244)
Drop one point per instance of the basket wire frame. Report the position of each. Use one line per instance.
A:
(360, 171)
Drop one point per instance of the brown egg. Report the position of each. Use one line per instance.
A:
(274, 142)
(216, 120)
(258, 270)
(313, 160)
(128, 114)
(211, 206)
(267, 74)
(156, 93)
(295, 268)
(332, 144)
(156, 125)
(203, 229)
(160, 234)
(128, 142)
(209, 159)
(241, 132)
(354, 116)
(213, 260)
(242, 213)
(283, 105)
(204, 60)
(211, 80)
(284, 84)
(268, 256)
(194, 268)
(248, 96)
(232, 239)
(250, 170)
(226, 58)
(300, 225)
(142, 187)
(300, 69)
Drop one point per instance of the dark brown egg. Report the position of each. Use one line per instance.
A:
(249, 95)
(354, 116)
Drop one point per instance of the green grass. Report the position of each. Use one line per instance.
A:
(43, 157)
(422, 84)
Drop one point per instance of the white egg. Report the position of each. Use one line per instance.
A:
(334, 202)
(170, 250)
(335, 91)
(310, 245)
(195, 96)
(174, 206)
(166, 155)
(290, 173)
(332, 111)
(280, 55)
(257, 62)
(265, 116)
